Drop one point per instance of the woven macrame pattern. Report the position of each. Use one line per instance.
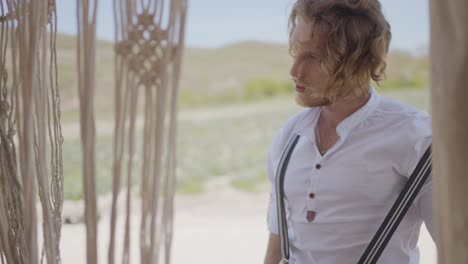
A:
(143, 49)
(149, 44)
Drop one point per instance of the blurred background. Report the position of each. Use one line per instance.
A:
(235, 94)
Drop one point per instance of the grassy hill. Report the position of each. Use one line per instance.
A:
(236, 72)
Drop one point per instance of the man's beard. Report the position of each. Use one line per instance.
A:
(311, 100)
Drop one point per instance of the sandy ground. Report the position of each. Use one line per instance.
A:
(222, 225)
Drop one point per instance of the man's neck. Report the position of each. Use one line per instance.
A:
(335, 113)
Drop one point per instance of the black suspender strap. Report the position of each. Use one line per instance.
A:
(398, 210)
(282, 222)
(390, 223)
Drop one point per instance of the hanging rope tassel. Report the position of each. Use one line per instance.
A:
(30, 116)
(148, 59)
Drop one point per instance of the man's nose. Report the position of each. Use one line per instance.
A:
(294, 71)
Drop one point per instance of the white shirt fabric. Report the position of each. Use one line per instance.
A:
(356, 184)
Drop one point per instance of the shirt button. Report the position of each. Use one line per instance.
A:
(311, 195)
(318, 166)
(310, 216)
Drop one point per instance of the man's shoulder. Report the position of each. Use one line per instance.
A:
(297, 119)
(391, 106)
(410, 118)
(290, 126)
(406, 130)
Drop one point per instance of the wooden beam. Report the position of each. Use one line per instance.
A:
(449, 84)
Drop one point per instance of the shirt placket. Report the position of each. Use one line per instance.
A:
(313, 193)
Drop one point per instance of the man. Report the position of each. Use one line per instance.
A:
(357, 149)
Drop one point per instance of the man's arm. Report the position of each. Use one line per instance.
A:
(424, 206)
(273, 253)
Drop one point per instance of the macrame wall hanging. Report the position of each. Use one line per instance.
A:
(86, 53)
(30, 133)
(148, 50)
(149, 43)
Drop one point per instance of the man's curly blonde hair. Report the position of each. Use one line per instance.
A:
(358, 38)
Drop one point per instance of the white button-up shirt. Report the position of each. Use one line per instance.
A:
(335, 203)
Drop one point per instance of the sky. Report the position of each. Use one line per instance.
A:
(214, 23)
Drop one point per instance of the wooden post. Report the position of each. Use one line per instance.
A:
(449, 81)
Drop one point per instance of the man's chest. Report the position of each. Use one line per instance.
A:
(350, 177)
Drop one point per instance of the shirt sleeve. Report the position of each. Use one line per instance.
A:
(423, 205)
(422, 135)
(272, 213)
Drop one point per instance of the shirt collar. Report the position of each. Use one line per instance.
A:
(360, 115)
(305, 127)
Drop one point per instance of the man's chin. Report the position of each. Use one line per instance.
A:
(305, 101)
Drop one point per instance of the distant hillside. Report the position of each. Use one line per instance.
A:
(216, 71)
(233, 65)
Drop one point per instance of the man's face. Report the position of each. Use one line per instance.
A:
(306, 71)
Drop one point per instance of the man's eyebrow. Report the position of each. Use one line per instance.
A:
(307, 54)
(297, 51)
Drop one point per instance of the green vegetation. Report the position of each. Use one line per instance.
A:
(253, 91)
(248, 182)
(267, 88)
(191, 187)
